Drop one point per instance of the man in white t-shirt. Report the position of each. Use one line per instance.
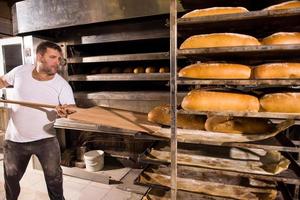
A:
(30, 130)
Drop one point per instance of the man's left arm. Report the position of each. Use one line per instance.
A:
(67, 102)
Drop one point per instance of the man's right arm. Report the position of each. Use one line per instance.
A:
(3, 82)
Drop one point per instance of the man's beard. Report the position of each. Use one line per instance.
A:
(48, 70)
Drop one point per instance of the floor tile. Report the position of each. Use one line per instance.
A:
(116, 194)
(94, 193)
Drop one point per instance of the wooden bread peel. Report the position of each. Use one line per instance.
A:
(29, 104)
(103, 116)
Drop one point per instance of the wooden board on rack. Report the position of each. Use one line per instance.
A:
(115, 118)
(232, 164)
(134, 121)
(198, 136)
(207, 183)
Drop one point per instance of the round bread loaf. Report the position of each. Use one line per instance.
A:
(284, 5)
(162, 115)
(116, 70)
(214, 11)
(105, 70)
(282, 38)
(240, 125)
(128, 70)
(150, 70)
(281, 102)
(164, 69)
(219, 40)
(277, 71)
(138, 70)
(216, 71)
(199, 100)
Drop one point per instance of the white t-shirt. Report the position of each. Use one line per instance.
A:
(30, 124)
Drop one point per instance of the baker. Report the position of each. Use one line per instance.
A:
(30, 130)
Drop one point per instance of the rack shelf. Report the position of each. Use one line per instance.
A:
(267, 144)
(118, 58)
(240, 82)
(121, 77)
(232, 155)
(255, 20)
(288, 176)
(240, 52)
(127, 95)
(186, 172)
(272, 115)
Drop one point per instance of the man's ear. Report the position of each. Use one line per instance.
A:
(39, 56)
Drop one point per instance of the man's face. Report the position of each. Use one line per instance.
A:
(49, 62)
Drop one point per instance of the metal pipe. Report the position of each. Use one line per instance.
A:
(173, 96)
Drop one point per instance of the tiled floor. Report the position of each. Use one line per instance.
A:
(33, 187)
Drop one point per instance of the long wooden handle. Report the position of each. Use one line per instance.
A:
(31, 104)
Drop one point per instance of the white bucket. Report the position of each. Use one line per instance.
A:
(94, 160)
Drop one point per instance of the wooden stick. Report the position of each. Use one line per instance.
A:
(30, 104)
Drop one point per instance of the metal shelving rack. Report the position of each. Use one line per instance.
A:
(272, 53)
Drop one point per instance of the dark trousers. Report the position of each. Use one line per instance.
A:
(16, 158)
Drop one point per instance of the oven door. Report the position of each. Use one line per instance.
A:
(11, 56)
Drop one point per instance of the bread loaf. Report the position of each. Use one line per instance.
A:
(162, 115)
(219, 40)
(277, 71)
(281, 102)
(138, 70)
(164, 70)
(214, 11)
(239, 125)
(116, 70)
(284, 5)
(282, 38)
(128, 70)
(150, 70)
(216, 71)
(105, 70)
(199, 100)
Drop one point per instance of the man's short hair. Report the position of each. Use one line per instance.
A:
(42, 47)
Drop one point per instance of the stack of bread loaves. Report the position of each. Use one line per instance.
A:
(161, 115)
(233, 125)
